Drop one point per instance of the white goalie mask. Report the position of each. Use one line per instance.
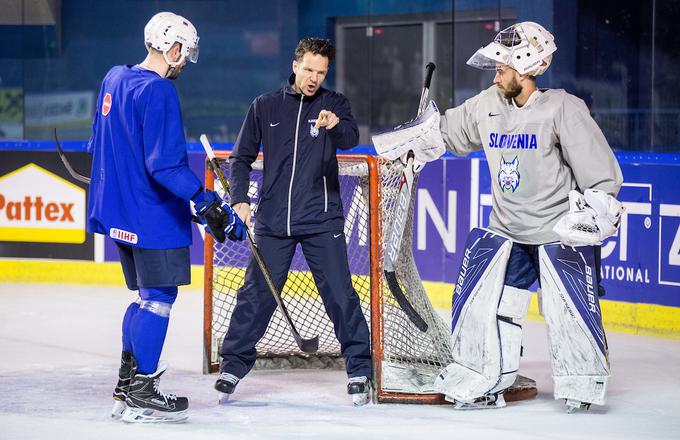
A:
(526, 47)
(166, 28)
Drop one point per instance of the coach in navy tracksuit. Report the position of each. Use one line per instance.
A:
(299, 126)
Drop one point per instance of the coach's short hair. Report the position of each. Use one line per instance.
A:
(320, 46)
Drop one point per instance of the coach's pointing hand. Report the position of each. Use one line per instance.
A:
(327, 119)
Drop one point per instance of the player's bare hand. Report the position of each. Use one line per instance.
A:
(243, 211)
(327, 119)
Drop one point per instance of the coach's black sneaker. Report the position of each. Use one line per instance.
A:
(359, 388)
(146, 403)
(120, 392)
(226, 384)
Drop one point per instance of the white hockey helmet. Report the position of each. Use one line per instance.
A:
(166, 28)
(526, 47)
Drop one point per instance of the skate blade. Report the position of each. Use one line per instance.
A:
(223, 398)
(141, 415)
(574, 406)
(118, 409)
(466, 406)
(360, 399)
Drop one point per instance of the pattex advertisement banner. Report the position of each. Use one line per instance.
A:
(42, 209)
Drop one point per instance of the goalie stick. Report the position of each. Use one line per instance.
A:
(306, 345)
(393, 245)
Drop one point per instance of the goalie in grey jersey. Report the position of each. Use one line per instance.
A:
(554, 181)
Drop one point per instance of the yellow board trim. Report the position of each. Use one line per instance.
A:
(86, 273)
(42, 235)
(633, 318)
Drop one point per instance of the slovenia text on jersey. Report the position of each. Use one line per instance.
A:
(513, 141)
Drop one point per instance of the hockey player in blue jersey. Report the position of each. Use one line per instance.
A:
(299, 127)
(141, 188)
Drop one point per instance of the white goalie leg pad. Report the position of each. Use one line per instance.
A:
(571, 309)
(486, 340)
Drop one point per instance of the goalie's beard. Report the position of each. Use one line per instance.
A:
(513, 89)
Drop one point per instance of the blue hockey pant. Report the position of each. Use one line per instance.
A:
(523, 268)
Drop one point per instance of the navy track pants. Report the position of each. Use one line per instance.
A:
(326, 255)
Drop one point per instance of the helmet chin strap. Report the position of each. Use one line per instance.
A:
(174, 68)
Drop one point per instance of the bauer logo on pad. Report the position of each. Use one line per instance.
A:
(106, 105)
(38, 206)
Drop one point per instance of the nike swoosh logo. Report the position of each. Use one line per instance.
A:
(336, 235)
(274, 125)
(491, 115)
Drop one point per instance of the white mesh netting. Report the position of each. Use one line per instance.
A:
(408, 360)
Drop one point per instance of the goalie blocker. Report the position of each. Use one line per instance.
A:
(486, 330)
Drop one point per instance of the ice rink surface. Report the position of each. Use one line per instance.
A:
(60, 347)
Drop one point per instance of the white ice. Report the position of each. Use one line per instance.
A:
(60, 346)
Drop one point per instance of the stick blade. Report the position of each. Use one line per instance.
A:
(403, 302)
(309, 345)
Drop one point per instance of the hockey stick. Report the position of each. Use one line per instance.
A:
(76, 175)
(393, 245)
(306, 345)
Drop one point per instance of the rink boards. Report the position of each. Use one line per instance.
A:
(640, 266)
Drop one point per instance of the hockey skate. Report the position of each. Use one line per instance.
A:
(359, 388)
(226, 384)
(147, 404)
(576, 405)
(121, 390)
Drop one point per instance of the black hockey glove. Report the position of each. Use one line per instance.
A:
(219, 218)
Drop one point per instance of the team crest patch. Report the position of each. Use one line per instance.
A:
(313, 131)
(508, 175)
(106, 104)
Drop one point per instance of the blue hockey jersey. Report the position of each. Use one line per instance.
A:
(141, 182)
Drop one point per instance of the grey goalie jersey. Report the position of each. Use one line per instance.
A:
(536, 155)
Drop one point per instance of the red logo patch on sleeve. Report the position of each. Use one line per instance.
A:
(106, 105)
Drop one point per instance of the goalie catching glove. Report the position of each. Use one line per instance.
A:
(593, 216)
(219, 218)
(420, 135)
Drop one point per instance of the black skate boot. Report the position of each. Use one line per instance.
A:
(120, 392)
(359, 388)
(146, 403)
(226, 384)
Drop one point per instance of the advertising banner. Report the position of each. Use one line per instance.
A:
(42, 209)
(641, 263)
(42, 215)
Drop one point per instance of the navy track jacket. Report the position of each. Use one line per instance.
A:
(300, 191)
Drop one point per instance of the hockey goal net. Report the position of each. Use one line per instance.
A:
(405, 360)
